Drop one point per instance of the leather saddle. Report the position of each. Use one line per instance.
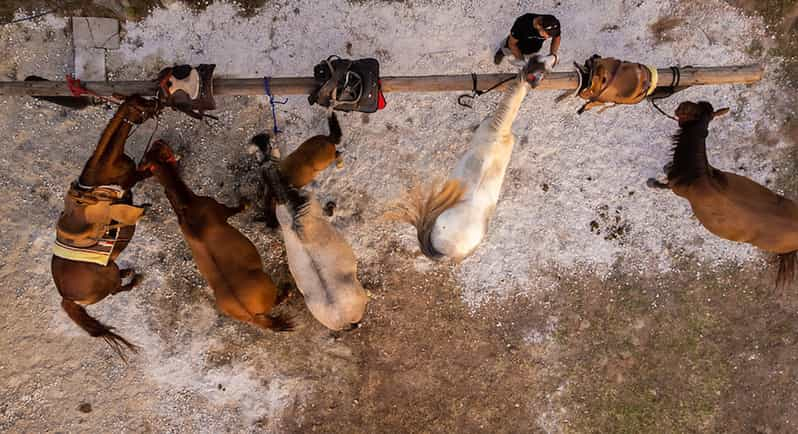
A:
(90, 213)
(188, 89)
(348, 85)
(609, 80)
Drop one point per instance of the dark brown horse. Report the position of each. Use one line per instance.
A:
(728, 205)
(225, 257)
(97, 224)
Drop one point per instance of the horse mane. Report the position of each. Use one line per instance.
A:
(421, 206)
(689, 153)
(284, 194)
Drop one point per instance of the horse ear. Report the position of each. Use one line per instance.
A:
(720, 112)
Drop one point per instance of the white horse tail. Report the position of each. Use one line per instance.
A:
(422, 206)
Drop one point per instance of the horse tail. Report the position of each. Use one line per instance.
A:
(95, 328)
(73, 102)
(786, 273)
(422, 206)
(689, 154)
(277, 323)
(335, 129)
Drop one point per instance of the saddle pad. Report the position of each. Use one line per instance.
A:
(99, 253)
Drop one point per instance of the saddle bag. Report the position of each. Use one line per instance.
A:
(348, 85)
(187, 88)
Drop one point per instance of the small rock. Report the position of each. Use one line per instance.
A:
(84, 408)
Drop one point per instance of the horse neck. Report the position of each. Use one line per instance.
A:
(110, 148)
(506, 112)
(177, 192)
(690, 152)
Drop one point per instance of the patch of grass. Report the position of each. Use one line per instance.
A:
(643, 358)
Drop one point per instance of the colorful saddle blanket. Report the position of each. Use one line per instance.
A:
(88, 228)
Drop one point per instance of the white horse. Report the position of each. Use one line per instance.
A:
(322, 262)
(451, 221)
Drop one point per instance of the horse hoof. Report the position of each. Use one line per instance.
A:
(329, 208)
(653, 183)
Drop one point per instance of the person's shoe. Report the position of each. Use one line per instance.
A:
(498, 57)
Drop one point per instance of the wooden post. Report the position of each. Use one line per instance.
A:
(690, 76)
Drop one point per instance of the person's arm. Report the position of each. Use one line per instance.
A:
(512, 43)
(555, 47)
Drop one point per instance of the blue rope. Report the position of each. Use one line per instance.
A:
(273, 103)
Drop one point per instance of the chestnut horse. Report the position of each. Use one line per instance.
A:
(225, 257)
(728, 205)
(94, 206)
(301, 166)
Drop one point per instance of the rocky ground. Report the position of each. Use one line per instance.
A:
(594, 304)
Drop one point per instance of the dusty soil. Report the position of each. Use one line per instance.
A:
(703, 345)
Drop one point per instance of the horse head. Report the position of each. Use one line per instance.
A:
(138, 109)
(689, 111)
(159, 153)
(536, 69)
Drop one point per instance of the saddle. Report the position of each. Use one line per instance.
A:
(609, 80)
(89, 216)
(348, 85)
(188, 89)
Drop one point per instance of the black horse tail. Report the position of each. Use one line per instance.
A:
(95, 328)
(73, 102)
(335, 129)
(786, 273)
(277, 323)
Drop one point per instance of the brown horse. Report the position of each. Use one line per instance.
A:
(301, 166)
(97, 224)
(225, 257)
(728, 205)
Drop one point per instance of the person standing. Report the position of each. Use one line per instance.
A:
(527, 36)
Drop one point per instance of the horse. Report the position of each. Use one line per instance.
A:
(224, 256)
(609, 80)
(451, 220)
(730, 206)
(320, 259)
(302, 165)
(97, 224)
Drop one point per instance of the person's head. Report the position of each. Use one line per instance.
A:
(547, 25)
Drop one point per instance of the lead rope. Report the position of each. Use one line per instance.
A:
(273, 103)
(475, 92)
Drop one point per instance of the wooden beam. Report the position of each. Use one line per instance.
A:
(690, 76)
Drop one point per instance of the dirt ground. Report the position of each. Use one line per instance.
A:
(555, 345)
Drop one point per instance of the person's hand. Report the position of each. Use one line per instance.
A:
(556, 59)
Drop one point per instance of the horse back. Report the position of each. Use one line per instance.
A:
(739, 209)
(325, 269)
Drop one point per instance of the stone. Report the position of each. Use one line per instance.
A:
(92, 32)
(90, 64)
